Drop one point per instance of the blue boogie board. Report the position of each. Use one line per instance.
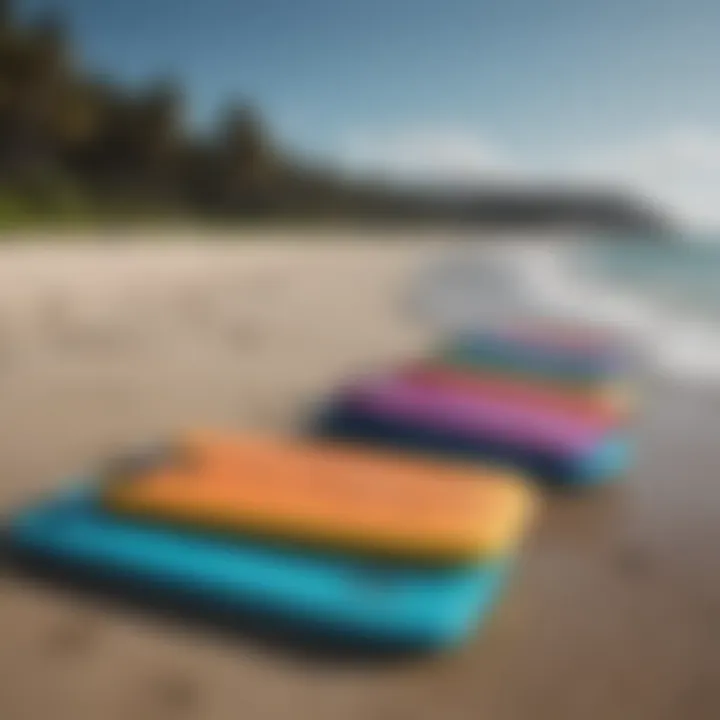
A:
(338, 597)
(608, 460)
(517, 356)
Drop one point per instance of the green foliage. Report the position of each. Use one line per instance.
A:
(14, 208)
(69, 142)
(73, 147)
(52, 198)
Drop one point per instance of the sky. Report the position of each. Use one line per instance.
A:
(567, 90)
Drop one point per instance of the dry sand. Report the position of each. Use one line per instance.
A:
(615, 612)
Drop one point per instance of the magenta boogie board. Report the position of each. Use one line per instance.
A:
(398, 411)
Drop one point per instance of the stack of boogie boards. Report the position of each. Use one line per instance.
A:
(554, 404)
(355, 546)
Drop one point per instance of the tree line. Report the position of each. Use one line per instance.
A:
(73, 144)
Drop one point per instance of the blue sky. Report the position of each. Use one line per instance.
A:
(509, 83)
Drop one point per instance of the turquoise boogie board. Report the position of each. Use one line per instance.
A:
(534, 356)
(338, 597)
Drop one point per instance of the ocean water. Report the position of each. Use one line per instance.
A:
(661, 296)
(684, 274)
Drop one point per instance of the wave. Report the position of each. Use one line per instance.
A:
(663, 298)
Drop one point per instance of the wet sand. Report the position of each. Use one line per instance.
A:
(615, 610)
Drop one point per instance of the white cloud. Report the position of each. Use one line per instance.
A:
(679, 168)
(425, 153)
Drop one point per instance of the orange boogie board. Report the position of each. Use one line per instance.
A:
(332, 495)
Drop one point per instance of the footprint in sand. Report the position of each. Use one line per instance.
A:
(162, 695)
(72, 637)
(634, 561)
(243, 335)
(175, 695)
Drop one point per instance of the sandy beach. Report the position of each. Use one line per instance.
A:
(615, 609)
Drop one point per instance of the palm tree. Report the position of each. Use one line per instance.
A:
(247, 159)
